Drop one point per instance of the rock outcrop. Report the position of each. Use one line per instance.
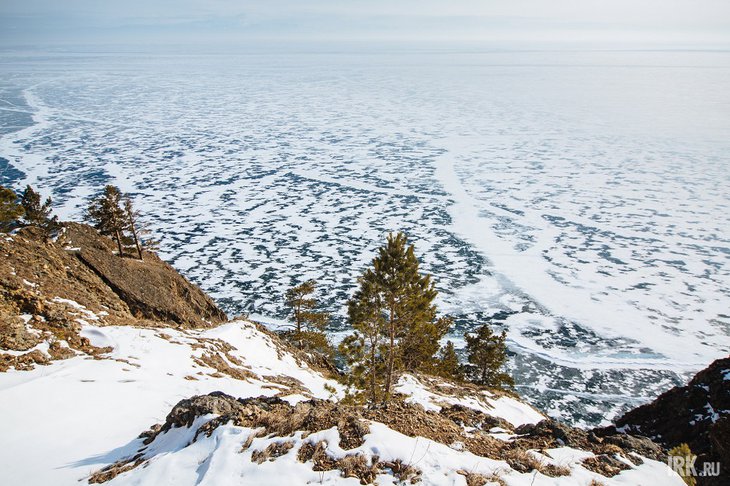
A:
(274, 417)
(81, 267)
(697, 414)
(48, 290)
(151, 289)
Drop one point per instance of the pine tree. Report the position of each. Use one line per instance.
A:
(365, 351)
(37, 214)
(448, 363)
(394, 316)
(132, 216)
(487, 354)
(10, 210)
(420, 342)
(407, 300)
(683, 451)
(309, 324)
(107, 215)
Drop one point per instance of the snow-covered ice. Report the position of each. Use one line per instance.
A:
(579, 197)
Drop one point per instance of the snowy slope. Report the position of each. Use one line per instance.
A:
(69, 418)
(65, 421)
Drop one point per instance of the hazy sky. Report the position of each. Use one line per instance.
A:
(220, 22)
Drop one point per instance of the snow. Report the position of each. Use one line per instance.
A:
(84, 311)
(75, 416)
(713, 415)
(83, 409)
(218, 459)
(513, 411)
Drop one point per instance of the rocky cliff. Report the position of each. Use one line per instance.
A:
(48, 290)
(697, 414)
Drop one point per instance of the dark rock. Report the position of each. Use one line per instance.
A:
(151, 288)
(697, 414)
(640, 445)
(562, 433)
(81, 266)
(186, 411)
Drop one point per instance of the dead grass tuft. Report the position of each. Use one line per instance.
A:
(216, 361)
(272, 452)
(524, 461)
(475, 479)
(317, 453)
(403, 472)
(114, 470)
(604, 465)
(358, 466)
(249, 440)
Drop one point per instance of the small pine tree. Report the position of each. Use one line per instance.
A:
(448, 363)
(35, 213)
(309, 324)
(683, 451)
(107, 215)
(394, 317)
(365, 351)
(406, 297)
(10, 210)
(487, 354)
(38, 214)
(420, 343)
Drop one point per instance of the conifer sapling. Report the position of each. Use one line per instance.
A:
(10, 210)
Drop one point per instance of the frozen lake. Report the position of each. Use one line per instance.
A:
(579, 198)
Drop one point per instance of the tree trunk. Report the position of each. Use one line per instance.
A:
(372, 373)
(119, 243)
(391, 352)
(298, 322)
(485, 365)
(136, 240)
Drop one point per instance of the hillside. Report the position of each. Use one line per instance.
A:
(120, 372)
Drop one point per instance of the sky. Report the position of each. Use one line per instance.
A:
(238, 22)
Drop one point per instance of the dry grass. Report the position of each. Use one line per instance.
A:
(272, 451)
(476, 479)
(24, 362)
(215, 360)
(58, 352)
(355, 465)
(358, 466)
(249, 440)
(405, 473)
(112, 471)
(524, 461)
(604, 465)
(291, 385)
(317, 453)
